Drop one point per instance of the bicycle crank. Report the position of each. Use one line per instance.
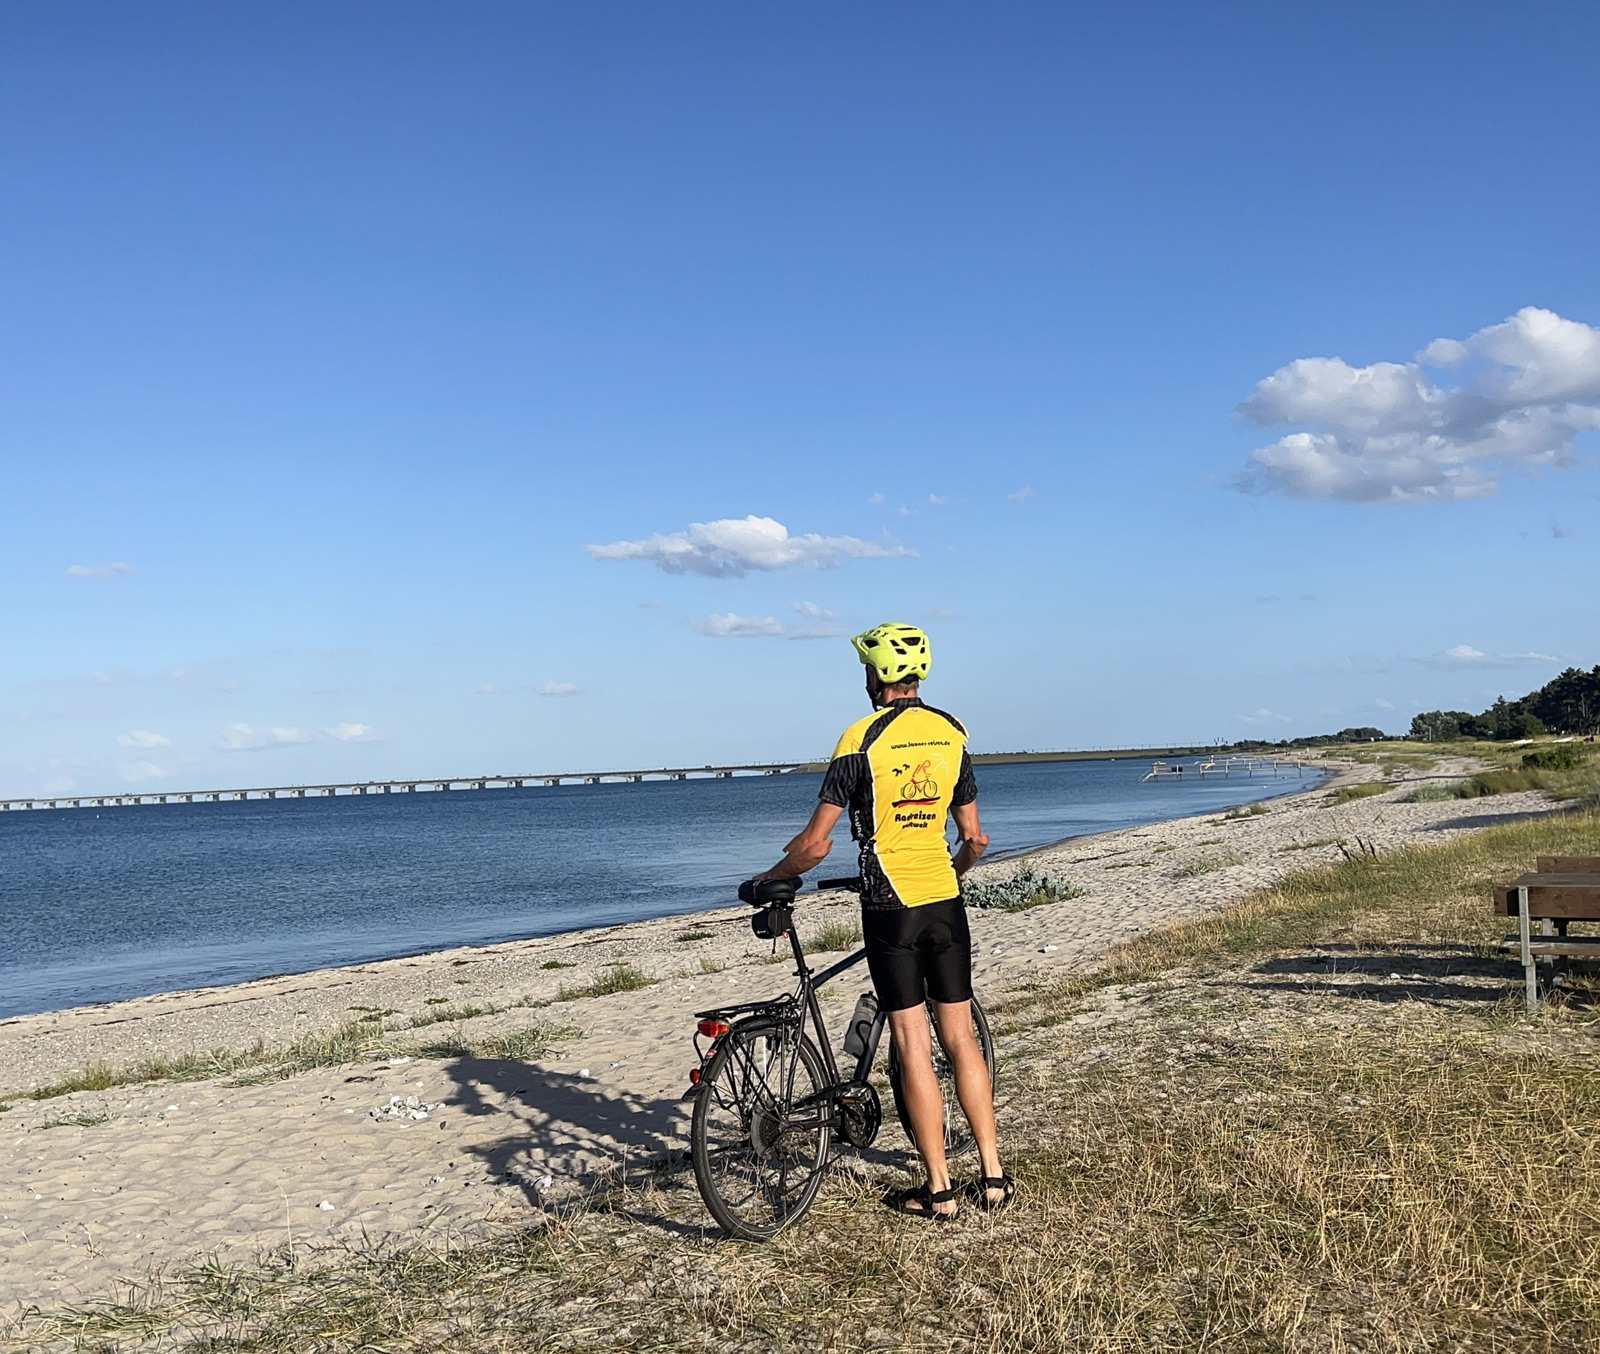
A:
(860, 1115)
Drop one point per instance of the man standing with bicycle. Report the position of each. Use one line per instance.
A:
(900, 772)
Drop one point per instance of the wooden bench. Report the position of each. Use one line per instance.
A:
(1561, 889)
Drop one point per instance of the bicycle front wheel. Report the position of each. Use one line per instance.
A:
(957, 1136)
(761, 1129)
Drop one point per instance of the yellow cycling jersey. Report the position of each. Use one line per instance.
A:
(900, 771)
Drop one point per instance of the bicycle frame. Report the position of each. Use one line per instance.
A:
(809, 1007)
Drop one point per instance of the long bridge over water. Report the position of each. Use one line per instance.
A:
(431, 785)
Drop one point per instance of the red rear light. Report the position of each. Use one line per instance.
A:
(694, 1076)
(712, 1029)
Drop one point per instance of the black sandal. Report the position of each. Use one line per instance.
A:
(981, 1188)
(919, 1202)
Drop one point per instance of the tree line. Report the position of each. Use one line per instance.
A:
(1567, 704)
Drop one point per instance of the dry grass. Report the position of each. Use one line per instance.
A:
(1316, 1123)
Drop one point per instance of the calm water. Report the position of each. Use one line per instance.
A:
(99, 905)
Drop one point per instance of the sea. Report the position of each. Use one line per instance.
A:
(99, 905)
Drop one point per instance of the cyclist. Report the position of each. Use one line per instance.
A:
(900, 772)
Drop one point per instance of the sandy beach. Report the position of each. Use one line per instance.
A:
(105, 1185)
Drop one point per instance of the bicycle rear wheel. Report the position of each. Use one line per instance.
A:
(957, 1136)
(757, 1159)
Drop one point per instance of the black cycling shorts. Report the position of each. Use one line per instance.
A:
(919, 953)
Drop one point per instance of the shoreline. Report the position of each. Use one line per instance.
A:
(1322, 777)
(101, 1184)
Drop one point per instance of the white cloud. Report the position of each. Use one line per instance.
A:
(114, 570)
(735, 546)
(143, 738)
(1022, 495)
(876, 500)
(1391, 433)
(654, 604)
(138, 771)
(1265, 716)
(1465, 656)
(250, 737)
(938, 502)
(939, 613)
(558, 689)
(816, 623)
(345, 733)
(1383, 704)
(726, 625)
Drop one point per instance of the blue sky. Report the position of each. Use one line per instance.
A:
(331, 338)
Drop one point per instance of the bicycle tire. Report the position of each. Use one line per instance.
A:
(757, 1172)
(958, 1138)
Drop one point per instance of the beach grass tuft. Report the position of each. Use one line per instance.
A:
(1208, 863)
(690, 937)
(1239, 811)
(1345, 794)
(619, 977)
(521, 1045)
(834, 935)
(450, 1014)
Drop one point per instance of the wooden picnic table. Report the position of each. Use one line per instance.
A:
(1561, 889)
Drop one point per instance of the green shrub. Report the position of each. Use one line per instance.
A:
(1023, 890)
(1557, 757)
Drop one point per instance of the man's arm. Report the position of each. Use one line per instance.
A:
(811, 847)
(974, 840)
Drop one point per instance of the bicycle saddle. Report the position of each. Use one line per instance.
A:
(765, 892)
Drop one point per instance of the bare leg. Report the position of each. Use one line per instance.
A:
(973, 1089)
(920, 1087)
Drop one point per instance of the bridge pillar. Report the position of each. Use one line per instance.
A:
(724, 775)
(327, 792)
(636, 779)
(680, 775)
(591, 780)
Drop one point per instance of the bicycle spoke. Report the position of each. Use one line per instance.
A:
(757, 1162)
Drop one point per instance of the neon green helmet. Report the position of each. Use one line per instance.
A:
(897, 653)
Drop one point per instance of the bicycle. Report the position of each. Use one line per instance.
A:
(768, 1100)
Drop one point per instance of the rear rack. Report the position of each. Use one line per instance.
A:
(778, 1006)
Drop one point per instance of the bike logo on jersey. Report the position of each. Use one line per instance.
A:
(921, 788)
